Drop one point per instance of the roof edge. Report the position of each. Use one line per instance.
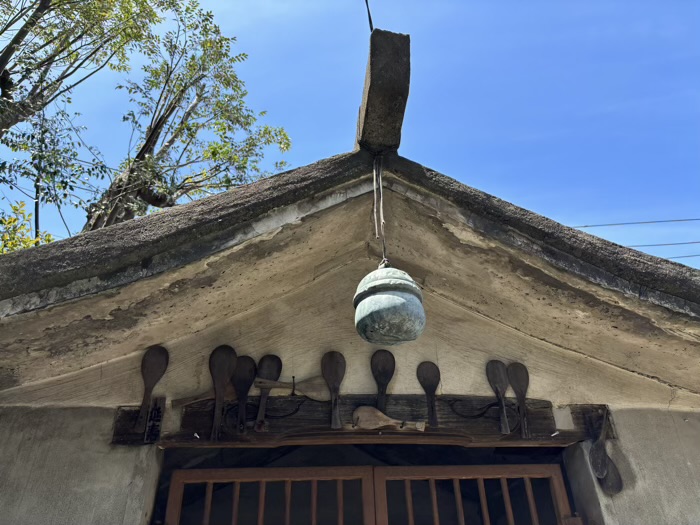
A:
(660, 281)
(100, 260)
(123, 253)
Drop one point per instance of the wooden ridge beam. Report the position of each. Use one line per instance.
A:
(385, 93)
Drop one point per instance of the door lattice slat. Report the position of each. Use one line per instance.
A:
(465, 495)
(531, 502)
(484, 503)
(287, 502)
(491, 494)
(506, 501)
(236, 502)
(458, 501)
(207, 504)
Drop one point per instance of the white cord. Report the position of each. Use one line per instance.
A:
(379, 221)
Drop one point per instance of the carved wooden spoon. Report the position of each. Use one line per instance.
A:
(222, 363)
(611, 483)
(497, 375)
(429, 378)
(519, 379)
(333, 370)
(153, 366)
(243, 378)
(383, 365)
(598, 456)
(269, 367)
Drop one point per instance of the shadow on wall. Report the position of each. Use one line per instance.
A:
(658, 455)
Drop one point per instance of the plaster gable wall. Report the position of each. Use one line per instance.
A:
(289, 292)
(658, 455)
(57, 467)
(288, 250)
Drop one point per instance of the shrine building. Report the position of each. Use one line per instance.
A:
(209, 307)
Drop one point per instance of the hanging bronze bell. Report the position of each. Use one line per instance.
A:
(388, 307)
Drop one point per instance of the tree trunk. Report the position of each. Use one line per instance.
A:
(129, 195)
(12, 113)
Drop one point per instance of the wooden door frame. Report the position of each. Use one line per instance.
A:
(373, 482)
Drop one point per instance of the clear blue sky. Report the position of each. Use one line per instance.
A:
(584, 111)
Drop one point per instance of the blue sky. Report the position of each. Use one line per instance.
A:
(584, 111)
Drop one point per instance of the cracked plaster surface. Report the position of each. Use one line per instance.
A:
(289, 290)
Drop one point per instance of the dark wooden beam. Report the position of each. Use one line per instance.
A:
(386, 92)
(300, 421)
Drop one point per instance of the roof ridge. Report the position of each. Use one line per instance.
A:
(96, 261)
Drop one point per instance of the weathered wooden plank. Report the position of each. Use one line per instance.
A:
(304, 414)
(385, 92)
(297, 420)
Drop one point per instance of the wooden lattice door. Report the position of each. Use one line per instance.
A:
(280, 496)
(416, 495)
(472, 495)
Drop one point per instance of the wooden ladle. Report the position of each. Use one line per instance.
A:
(497, 374)
(222, 363)
(429, 378)
(383, 365)
(270, 368)
(611, 483)
(519, 379)
(243, 378)
(153, 366)
(333, 371)
(597, 455)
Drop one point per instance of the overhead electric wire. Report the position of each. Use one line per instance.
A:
(683, 256)
(661, 244)
(632, 223)
(654, 245)
(369, 15)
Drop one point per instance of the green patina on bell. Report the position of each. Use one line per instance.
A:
(388, 307)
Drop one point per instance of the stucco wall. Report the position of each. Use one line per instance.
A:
(57, 467)
(288, 290)
(658, 455)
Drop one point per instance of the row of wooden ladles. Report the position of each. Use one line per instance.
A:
(243, 373)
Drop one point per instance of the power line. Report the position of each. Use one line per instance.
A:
(632, 223)
(369, 15)
(683, 256)
(662, 244)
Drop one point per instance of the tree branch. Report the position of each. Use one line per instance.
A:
(156, 198)
(12, 20)
(75, 84)
(22, 32)
(162, 152)
(153, 133)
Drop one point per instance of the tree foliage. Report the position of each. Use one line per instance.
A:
(16, 230)
(193, 131)
(48, 47)
(47, 168)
